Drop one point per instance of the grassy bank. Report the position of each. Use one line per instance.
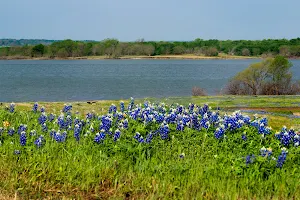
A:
(165, 163)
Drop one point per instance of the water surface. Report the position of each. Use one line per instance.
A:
(76, 80)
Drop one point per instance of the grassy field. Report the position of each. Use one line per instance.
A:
(173, 163)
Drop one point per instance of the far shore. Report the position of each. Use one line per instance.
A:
(158, 57)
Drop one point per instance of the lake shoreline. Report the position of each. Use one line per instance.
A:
(160, 57)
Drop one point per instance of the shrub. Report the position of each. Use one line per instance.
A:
(197, 91)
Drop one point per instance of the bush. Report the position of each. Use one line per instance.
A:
(197, 91)
(269, 77)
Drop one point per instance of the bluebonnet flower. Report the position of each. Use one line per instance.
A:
(68, 121)
(195, 123)
(112, 108)
(255, 124)
(180, 126)
(44, 127)
(61, 121)
(39, 141)
(1, 130)
(264, 121)
(23, 138)
(117, 135)
(131, 104)
(137, 135)
(67, 108)
(51, 117)
(149, 137)
(265, 152)
(43, 118)
(296, 140)
(219, 133)
(250, 159)
(12, 107)
(141, 140)
(11, 131)
(76, 121)
(171, 117)
(92, 128)
(42, 109)
(262, 129)
(60, 137)
(164, 131)
(52, 133)
(281, 158)
(191, 108)
(120, 116)
(32, 133)
(77, 132)
(35, 107)
(286, 139)
(179, 109)
(17, 152)
(122, 106)
(203, 109)
(125, 123)
(22, 127)
(100, 137)
(214, 117)
(106, 123)
(159, 118)
(244, 137)
(182, 155)
(278, 135)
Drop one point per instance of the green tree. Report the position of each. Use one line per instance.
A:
(38, 50)
(111, 48)
(269, 77)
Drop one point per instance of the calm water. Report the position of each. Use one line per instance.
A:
(53, 80)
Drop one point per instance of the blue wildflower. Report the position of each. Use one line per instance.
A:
(32, 133)
(219, 133)
(11, 131)
(125, 123)
(42, 109)
(180, 126)
(250, 159)
(51, 117)
(117, 135)
(44, 127)
(67, 108)
(281, 158)
(77, 132)
(286, 139)
(266, 152)
(23, 138)
(60, 137)
(100, 137)
(122, 106)
(43, 118)
(164, 131)
(39, 141)
(17, 152)
(244, 137)
(35, 107)
(12, 107)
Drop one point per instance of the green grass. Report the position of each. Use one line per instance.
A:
(211, 169)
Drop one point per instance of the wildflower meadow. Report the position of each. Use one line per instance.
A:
(146, 151)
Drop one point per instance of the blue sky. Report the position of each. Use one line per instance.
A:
(128, 20)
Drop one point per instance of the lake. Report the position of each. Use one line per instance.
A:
(79, 80)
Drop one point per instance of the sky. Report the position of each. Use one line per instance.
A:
(168, 20)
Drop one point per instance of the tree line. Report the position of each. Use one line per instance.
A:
(113, 48)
